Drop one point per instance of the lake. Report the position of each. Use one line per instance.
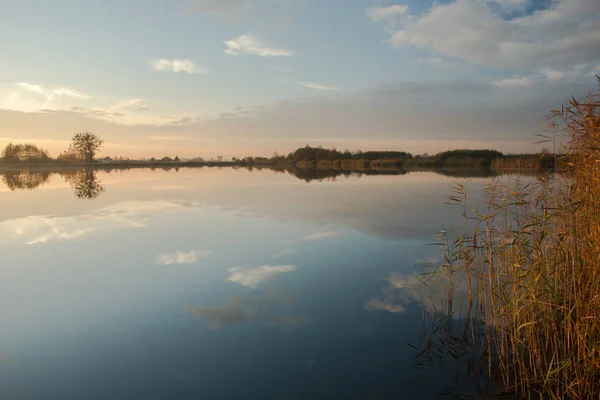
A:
(213, 283)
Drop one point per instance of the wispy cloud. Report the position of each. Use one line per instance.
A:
(182, 257)
(254, 276)
(437, 61)
(377, 14)
(514, 82)
(321, 236)
(52, 93)
(250, 44)
(318, 86)
(170, 138)
(284, 253)
(175, 66)
(282, 69)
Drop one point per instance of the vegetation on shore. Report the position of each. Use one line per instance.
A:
(84, 147)
(528, 272)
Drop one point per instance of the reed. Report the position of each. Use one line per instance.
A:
(529, 264)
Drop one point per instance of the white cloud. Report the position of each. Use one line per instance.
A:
(377, 14)
(513, 82)
(250, 44)
(508, 6)
(564, 34)
(254, 276)
(217, 6)
(182, 257)
(322, 235)
(318, 86)
(436, 61)
(282, 69)
(552, 74)
(175, 66)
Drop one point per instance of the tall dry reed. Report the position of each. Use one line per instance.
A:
(530, 263)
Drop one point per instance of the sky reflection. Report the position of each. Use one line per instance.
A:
(225, 277)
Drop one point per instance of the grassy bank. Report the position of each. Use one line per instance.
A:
(531, 268)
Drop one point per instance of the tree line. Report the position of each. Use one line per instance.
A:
(82, 150)
(85, 146)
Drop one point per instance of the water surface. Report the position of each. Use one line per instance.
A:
(218, 284)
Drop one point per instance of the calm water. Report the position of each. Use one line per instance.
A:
(218, 284)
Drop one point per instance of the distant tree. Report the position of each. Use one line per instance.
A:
(71, 156)
(24, 153)
(176, 159)
(88, 144)
(219, 158)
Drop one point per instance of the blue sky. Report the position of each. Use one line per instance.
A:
(242, 77)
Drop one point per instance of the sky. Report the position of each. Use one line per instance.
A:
(203, 78)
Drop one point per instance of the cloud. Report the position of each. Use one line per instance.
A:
(182, 257)
(318, 86)
(412, 116)
(284, 253)
(282, 69)
(170, 138)
(436, 61)
(133, 104)
(377, 14)
(96, 112)
(216, 6)
(513, 82)
(250, 44)
(565, 33)
(30, 98)
(321, 236)
(175, 66)
(254, 276)
(50, 95)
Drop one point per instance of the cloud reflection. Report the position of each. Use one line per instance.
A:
(273, 309)
(405, 289)
(254, 276)
(322, 235)
(34, 230)
(182, 257)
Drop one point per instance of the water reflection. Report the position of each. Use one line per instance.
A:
(273, 308)
(25, 180)
(256, 285)
(85, 183)
(87, 186)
